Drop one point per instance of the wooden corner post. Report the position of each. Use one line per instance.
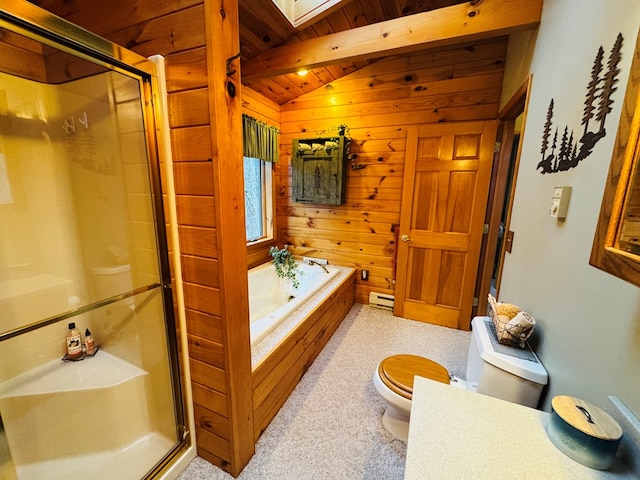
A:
(225, 111)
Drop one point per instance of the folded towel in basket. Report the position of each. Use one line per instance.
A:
(513, 326)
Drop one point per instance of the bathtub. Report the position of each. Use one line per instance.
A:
(272, 299)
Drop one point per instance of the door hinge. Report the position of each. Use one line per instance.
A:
(475, 301)
(496, 147)
(485, 229)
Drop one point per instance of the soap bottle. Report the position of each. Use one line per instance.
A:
(74, 343)
(90, 346)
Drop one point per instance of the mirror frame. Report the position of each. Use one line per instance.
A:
(604, 254)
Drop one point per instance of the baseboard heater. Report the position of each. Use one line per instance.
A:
(381, 300)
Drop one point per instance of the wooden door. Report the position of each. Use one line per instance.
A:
(444, 196)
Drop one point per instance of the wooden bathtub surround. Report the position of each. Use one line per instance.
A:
(278, 374)
(441, 27)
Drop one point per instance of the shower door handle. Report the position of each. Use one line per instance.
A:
(406, 238)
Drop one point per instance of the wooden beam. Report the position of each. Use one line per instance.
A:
(471, 21)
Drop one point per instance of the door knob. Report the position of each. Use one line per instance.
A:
(405, 238)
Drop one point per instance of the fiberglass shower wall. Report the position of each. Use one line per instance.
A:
(81, 240)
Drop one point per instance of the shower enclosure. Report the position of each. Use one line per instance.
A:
(82, 240)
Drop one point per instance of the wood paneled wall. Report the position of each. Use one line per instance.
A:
(208, 194)
(22, 57)
(377, 103)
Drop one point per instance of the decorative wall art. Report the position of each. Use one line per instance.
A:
(571, 151)
(319, 169)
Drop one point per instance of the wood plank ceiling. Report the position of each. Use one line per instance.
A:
(263, 28)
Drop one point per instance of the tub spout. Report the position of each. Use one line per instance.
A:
(313, 262)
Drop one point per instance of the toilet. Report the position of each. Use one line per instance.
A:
(493, 369)
(111, 281)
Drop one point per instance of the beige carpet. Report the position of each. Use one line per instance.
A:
(330, 427)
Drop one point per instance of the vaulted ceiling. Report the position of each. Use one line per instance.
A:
(263, 27)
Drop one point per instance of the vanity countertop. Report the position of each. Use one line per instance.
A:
(456, 434)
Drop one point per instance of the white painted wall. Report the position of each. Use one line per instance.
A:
(588, 333)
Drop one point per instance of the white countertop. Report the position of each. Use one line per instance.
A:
(462, 435)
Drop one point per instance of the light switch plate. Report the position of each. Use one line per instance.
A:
(560, 202)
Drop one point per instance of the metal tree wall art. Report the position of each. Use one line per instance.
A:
(571, 151)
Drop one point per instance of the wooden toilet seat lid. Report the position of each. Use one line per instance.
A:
(397, 372)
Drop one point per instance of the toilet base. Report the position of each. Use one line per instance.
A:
(396, 423)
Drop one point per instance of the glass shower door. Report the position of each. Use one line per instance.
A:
(82, 242)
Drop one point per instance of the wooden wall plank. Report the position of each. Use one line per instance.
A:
(207, 351)
(222, 463)
(303, 127)
(193, 178)
(260, 107)
(216, 401)
(189, 108)
(21, 62)
(209, 443)
(203, 271)
(212, 422)
(207, 375)
(104, 18)
(196, 211)
(198, 241)
(204, 325)
(179, 31)
(191, 143)
(186, 70)
(201, 298)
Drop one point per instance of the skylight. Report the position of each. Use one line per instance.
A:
(300, 13)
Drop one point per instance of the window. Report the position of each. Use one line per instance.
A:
(258, 199)
(260, 146)
(302, 13)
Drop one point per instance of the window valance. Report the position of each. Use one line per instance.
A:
(260, 140)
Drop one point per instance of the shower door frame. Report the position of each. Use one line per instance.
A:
(38, 24)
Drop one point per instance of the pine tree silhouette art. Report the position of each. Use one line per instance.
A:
(598, 99)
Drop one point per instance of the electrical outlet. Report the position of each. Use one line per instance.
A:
(364, 274)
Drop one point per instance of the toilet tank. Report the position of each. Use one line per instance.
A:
(111, 281)
(501, 371)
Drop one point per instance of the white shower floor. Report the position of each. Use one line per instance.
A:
(133, 463)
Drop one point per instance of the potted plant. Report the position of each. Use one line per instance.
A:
(286, 266)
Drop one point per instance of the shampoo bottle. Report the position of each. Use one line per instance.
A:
(74, 343)
(90, 346)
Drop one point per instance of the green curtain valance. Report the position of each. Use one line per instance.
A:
(260, 140)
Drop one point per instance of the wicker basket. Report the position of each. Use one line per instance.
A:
(511, 331)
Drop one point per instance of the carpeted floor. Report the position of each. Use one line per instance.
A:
(330, 426)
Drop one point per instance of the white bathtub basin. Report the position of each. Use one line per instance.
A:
(273, 299)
